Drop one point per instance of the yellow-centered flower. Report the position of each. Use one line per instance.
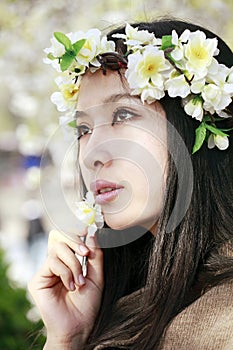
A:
(89, 214)
(199, 52)
(69, 91)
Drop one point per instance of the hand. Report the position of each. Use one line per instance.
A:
(68, 302)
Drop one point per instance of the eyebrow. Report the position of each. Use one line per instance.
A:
(108, 99)
(79, 114)
(117, 97)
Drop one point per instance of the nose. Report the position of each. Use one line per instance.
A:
(97, 152)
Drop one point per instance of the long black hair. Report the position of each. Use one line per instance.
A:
(167, 272)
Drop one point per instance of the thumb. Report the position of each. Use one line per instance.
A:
(95, 265)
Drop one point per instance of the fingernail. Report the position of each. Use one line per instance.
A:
(72, 286)
(81, 280)
(83, 249)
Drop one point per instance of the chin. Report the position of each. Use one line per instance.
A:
(116, 224)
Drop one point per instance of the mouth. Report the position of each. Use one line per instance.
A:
(105, 191)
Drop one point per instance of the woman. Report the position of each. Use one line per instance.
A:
(166, 281)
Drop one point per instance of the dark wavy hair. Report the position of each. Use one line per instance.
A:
(174, 268)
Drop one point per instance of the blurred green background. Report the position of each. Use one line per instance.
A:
(28, 119)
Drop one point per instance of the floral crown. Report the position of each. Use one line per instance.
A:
(181, 66)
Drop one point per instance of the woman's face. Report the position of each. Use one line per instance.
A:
(122, 150)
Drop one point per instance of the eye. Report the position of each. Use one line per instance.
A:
(121, 115)
(82, 130)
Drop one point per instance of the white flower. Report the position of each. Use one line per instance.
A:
(56, 50)
(223, 114)
(89, 214)
(150, 93)
(218, 91)
(213, 67)
(90, 49)
(197, 85)
(178, 52)
(199, 53)
(147, 69)
(222, 76)
(137, 38)
(215, 98)
(77, 69)
(67, 98)
(194, 108)
(177, 85)
(106, 45)
(54, 63)
(221, 142)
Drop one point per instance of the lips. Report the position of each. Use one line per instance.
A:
(105, 191)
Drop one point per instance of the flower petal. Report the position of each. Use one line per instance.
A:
(90, 198)
(221, 142)
(92, 230)
(211, 143)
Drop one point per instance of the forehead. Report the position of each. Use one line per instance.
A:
(97, 88)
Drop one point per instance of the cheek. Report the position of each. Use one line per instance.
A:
(141, 201)
(151, 182)
(149, 192)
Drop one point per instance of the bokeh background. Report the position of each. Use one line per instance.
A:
(28, 119)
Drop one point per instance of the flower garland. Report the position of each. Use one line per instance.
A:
(181, 66)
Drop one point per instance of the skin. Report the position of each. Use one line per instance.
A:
(68, 302)
(59, 290)
(131, 153)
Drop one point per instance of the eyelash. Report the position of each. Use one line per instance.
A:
(83, 129)
(121, 111)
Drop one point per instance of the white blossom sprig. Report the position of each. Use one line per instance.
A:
(89, 214)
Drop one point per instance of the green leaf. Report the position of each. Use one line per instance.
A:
(200, 137)
(72, 123)
(215, 131)
(226, 130)
(66, 61)
(78, 45)
(64, 40)
(166, 42)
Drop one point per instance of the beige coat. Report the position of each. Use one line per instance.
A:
(206, 324)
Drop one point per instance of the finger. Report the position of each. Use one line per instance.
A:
(59, 269)
(76, 243)
(67, 256)
(95, 262)
(53, 272)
